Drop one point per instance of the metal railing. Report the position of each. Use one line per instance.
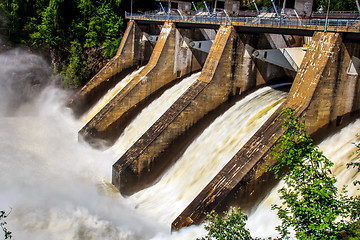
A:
(336, 14)
(341, 25)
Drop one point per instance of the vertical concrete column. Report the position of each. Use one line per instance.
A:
(244, 68)
(314, 101)
(147, 159)
(168, 62)
(128, 55)
(345, 99)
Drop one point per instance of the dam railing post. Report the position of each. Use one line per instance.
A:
(327, 17)
(227, 18)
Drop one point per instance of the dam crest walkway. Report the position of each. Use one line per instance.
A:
(306, 27)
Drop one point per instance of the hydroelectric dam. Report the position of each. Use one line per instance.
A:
(233, 57)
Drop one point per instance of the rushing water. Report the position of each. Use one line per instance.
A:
(51, 182)
(148, 116)
(58, 188)
(108, 96)
(340, 149)
(205, 157)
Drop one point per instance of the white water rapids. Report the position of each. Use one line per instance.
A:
(340, 149)
(108, 96)
(58, 188)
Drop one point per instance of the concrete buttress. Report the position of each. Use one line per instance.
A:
(168, 62)
(146, 160)
(129, 54)
(313, 90)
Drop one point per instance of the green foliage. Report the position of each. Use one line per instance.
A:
(200, 6)
(355, 232)
(7, 233)
(262, 4)
(310, 203)
(104, 27)
(62, 24)
(231, 226)
(312, 207)
(76, 65)
(111, 46)
(337, 5)
(356, 164)
(294, 144)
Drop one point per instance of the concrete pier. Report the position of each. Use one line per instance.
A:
(229, 70)
(146, 159)
(312, 96)
(133, 51)
(169, 61)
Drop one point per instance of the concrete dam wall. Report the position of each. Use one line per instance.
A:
(132, 52)
(248, 165)
(325, 90)
(169, 61)
(228, 71)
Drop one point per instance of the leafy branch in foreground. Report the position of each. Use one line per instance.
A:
(311, 205)
(356, 164)
(7, 233)
(231, 226)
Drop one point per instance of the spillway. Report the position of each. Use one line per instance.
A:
(58, 188)
(150, 114)
(108, 96)
(204, 158)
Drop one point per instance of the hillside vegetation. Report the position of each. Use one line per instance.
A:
(78, 34)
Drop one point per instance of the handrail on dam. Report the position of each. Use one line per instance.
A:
(336, 14)
(318, 24)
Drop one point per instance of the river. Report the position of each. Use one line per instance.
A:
(58, 188)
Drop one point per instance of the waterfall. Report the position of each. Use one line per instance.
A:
(149, 115)
(207, 154)
(58, 188)
(108, 96)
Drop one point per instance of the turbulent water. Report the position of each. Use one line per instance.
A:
(340, 149)
(108, 96)
(205, 157)
(149, 115)
(57, 188)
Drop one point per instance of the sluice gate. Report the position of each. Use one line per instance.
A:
(325, 90)
(143, 162)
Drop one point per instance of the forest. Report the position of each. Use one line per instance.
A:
(80, 36)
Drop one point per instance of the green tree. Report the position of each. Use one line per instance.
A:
(311, 205)
(229, 227)
(337, 5)
(75, 31)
